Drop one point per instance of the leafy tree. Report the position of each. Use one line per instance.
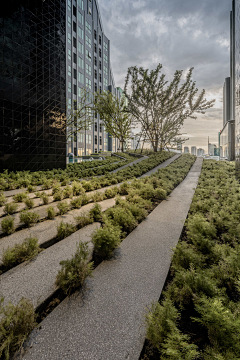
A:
(116, 120)
(160, 110)
(80, 115)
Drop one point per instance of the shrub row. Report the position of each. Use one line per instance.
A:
(14, 180)
(199, 316)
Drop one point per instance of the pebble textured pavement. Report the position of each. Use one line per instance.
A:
(107, 322)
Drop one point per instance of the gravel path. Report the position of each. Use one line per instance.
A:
(130, 164)
(107, 323)
(35, 280)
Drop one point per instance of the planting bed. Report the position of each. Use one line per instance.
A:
(198, 314)
(101, 323)
(140, 195)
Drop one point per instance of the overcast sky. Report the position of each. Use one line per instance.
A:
(179, 34)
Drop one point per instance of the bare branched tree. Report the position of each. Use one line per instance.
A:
(159, 109)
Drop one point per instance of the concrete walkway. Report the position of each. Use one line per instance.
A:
(130, 164)
(163, 165)
(108, 322)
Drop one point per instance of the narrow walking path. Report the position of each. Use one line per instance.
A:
(107, 323)
(130, 164)
(163, 165)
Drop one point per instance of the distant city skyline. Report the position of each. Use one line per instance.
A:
(178, 35)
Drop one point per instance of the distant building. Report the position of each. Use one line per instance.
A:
(193, 150)
(211, 148)
(200, 152)
(186, 149)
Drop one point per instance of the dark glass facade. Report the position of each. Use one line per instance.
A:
(32, 85)
(236, 54)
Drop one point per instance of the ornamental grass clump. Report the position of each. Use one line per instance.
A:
(111, 192)
(29, 218)
(7, 225)
(106, 239)
(51, 213)
(64, 230)
(16, 323)
(10, 208)
(20, 253)
(83, 220)
(74, 271)
(45, 198)
(63, 207)
(31, 188)
(97, 197)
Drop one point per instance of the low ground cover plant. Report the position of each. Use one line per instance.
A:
(7, 225)
(203, 291)
(51, 213)
(63, 207)
(10, 208)
(74, 271)
(29, 203)
(64, 230)
(20, 197)
(20, 253)
(3, 199)
(16, 323)
(29, 218)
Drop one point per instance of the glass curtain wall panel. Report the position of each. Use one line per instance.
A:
(32, 85)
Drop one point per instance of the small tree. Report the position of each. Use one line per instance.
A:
(116, 120)
(160, 109)
(80, 114)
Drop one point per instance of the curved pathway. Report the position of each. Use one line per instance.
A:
(107, 323)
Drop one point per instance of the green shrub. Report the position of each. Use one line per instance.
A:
(85, 199)
(106, 239)
(29, 218)
(31, 188)
(29, 203)
(160, 194)
(65, 181)
(163, 333)
(20, 253)
(58, 196)
(3, 199)
(7, 225)
(45, 198)
(56, 188)
(76, 203)
(111, 193)
(122, 217)
(123, 189)
(185, 256)
(64, 230)
(77, 188)
(47, 184)
(67, 192)
(74, 271)
(83, 220)
(20, 197)
(10, 208)
(63, 207)
(96, 213)
(222, 324)
(51, 213)
(97, 197)
(16, 323)
(138, 212)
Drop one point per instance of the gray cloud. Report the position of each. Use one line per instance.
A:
(178, 34)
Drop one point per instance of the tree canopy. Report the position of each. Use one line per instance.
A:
(161, 109)
(116, 120)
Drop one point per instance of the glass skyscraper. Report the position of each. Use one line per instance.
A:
(50, 49)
